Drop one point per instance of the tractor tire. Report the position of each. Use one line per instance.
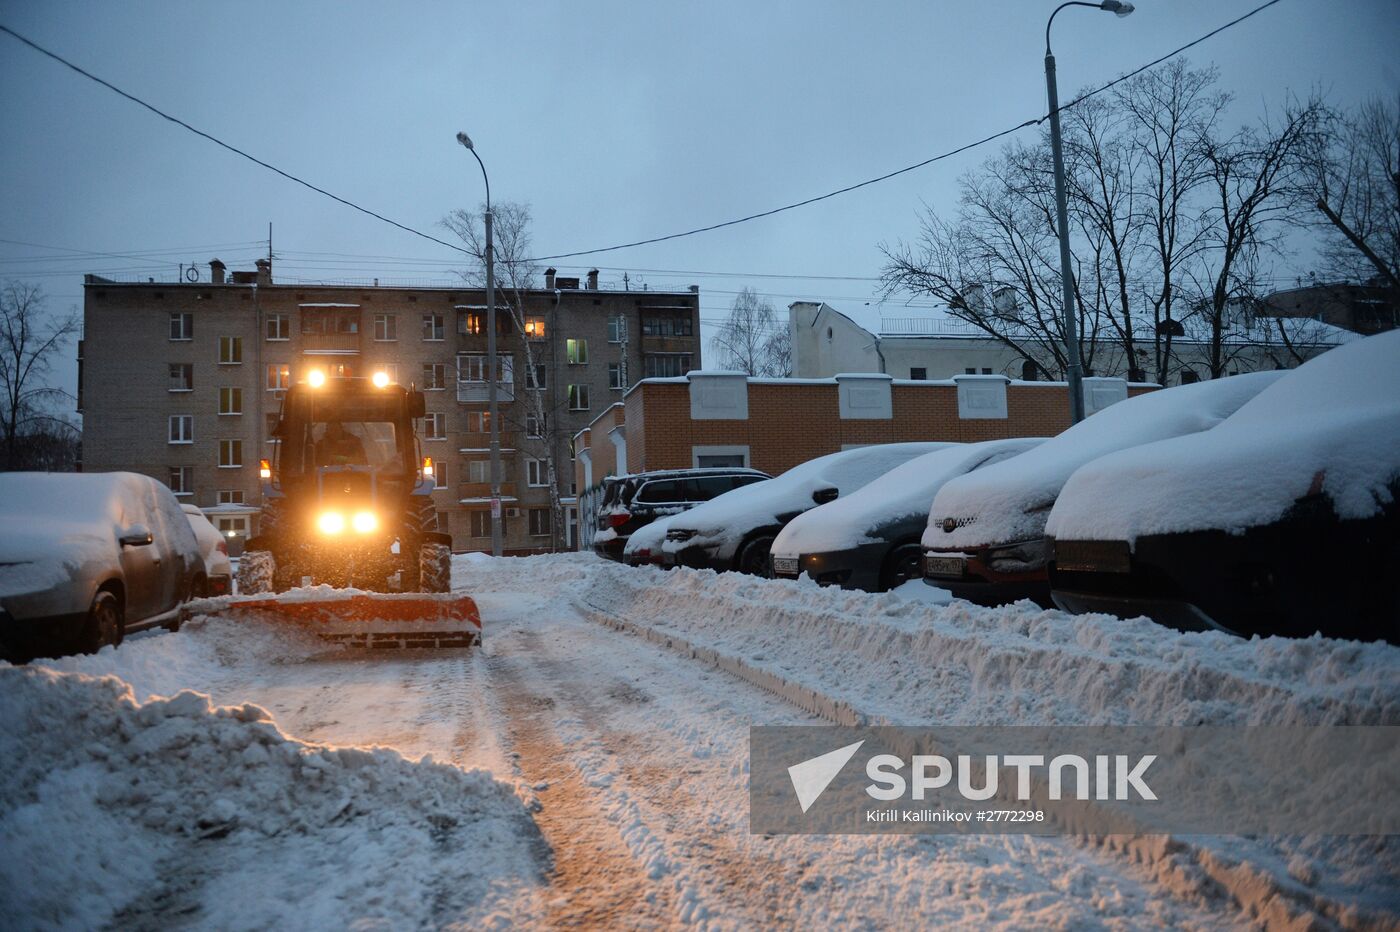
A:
(435, 568)
(255, 572)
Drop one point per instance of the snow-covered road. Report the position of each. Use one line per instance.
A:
(629, 750)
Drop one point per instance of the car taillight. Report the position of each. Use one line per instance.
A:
(619, 518)
(223, 547)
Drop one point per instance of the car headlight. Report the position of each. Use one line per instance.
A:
(364, 522)
(331, 522)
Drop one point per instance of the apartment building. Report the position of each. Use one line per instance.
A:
(182, 381)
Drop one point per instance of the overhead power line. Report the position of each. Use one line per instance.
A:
(656, 239)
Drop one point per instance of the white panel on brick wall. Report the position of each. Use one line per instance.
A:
(864, 396)
(719, 396)
(1101, 392)
(981, 397)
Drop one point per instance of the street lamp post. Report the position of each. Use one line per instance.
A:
(491, 363)
(1075, 369)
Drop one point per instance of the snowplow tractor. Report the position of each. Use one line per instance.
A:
(347, 499)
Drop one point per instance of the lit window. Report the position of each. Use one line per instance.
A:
(230, 401)
(577, 351)
(230, 351)
(534, 328)
(279, 376)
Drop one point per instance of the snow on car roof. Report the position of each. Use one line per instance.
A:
(1334, 420)
(1010, 501)
(903, 492)
(761, 502)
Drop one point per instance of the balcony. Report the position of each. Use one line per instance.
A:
(330, 344)
(481, 440)
(477, 392)
(482, 490)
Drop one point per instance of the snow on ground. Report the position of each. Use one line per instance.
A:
(632, 761)
(114, 812)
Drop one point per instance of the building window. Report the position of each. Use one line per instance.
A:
(390, 369)
(471, 367)
(328, 321)
(615, 375)
(577, 352)
(1189, 376)
(439, 475)
(279, 376)
(233, 527)
(181, 428)
(539, 522)
(230, 496)
(666, 365)
(182, 480)
(481, 524)
(918, 373)
(230, 454)
(617, 329)
(434, 426)
(534, 328)
(535, 474)
(230, 401)
(181, 377)
(537, 377)
(279, 327)
(532, 427)
(578, 397)
(432, 326)
(666, 325)
(472, 323)
(386, 327)
(1030, 372)
(434, 376)
(230, 351)
(479, 471)
(182, 327)
(478, 422)
(708, 457)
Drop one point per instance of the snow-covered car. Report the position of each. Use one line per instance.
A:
(985, 540)
(634, 501)
(644, 545)
(1284, 519)
(218, 570)
(736, 530)
(86, 558)
(870, 539)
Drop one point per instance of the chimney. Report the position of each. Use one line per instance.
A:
(264, 271)
(216, 271)
(592, 279)
(549, 278)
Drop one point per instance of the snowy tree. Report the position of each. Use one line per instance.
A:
(29, 339)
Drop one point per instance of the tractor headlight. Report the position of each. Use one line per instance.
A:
(331, 522)
(364, 522)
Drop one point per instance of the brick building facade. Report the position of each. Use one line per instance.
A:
(183, 381)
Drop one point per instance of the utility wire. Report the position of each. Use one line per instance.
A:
(219, 142)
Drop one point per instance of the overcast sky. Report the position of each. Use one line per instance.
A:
(614, 121)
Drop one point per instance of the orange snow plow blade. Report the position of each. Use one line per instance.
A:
(381, 620)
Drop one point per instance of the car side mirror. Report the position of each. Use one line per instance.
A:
(138, 535)
(828, 494)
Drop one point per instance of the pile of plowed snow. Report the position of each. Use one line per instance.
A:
(174, 812)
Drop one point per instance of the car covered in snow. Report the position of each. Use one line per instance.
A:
(1284, 519)
(632, 502)
(644, 547)
(870, 539)
(736, 530)
(86, 558)
(218, 569)
(985, 540)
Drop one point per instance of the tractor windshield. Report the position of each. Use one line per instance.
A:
(342, 431)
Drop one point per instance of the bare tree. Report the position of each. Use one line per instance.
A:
(538, 422)
(751, 340)
(29, 338)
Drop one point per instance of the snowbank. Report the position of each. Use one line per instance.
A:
(904, 492)
(172, 812)
(1336, 417)
(1011, 501)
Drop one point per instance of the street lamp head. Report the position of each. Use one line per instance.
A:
(466, 140)
(1117, 7)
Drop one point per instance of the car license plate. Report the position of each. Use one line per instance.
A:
(944, 566)
(785, 566)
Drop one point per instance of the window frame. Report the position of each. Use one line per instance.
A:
(390, 328)
(547, 530)
(187, 369)
(280, 369)
(540, 477)
(182, 489)
(230, 351)
(176, 438)
(230, 445)
(576, 351)
(186, 328)
(434, 324)
(434, 426)
(578, 391)
(233, 393)
(434, 376)
(278, 323)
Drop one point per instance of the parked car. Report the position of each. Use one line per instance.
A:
(644, 546)
(870, 539)
(1284, 519)
(218, 571)
(985, 540)
(736, 530)
(634, 501)
(86, 558)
